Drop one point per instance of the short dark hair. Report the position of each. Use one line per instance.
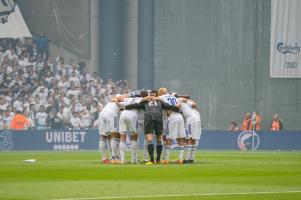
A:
(234, 124)
(143, 93)
(154, 91)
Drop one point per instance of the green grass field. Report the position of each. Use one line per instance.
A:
(217, 175)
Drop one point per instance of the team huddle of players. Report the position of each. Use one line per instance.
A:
(165, 116)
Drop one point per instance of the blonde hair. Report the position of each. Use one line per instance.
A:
(162, 91)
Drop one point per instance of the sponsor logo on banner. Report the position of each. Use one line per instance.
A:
(65, 140)
(248, 140)
(285, 43)
(290, 62)
(6, 142)
(288, 48)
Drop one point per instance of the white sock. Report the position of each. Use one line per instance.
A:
(134, 149)
(102, 148)
(145, 151)
(118, 149)
(193, 151)
(137, 149)
(109, 147)
(181, 152)
(114, 146)
(167, 152)
(187, 152)
(164, 152)
(122, 147)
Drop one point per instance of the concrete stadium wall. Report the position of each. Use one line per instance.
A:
(74, 15)
(218, 52)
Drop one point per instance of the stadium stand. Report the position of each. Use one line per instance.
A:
(45, 88)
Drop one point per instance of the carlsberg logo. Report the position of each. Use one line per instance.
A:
(288, 48)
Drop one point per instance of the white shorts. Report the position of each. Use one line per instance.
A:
(193, 130)
(128, 122)
(176, 128)
(108, 123)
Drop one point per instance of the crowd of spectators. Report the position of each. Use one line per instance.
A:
(49, 92)
(249, 122)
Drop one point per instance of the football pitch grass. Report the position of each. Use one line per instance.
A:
(217, 175)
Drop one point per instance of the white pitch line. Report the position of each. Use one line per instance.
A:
(183, 195)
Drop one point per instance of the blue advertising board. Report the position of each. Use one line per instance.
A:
(89, 140)
(261, 140)
(49, 140)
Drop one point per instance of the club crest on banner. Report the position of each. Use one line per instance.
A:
(6, 142)
(248, 140)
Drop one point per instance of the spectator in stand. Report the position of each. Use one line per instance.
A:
(64, 113)
(42, 45)
(19, 122)
(74, 79)
(75, 121)
(3, 103)
(41, 118)
(31, 115)
(86, 118)
(247, 122)
(30, 121)
(276, 124)
(54, 120)
(233, 127)
(11, 53)
(7, 119)
(2, 126)
(18, 102)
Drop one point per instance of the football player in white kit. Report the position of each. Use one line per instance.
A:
(137, 93)
(192, 125)
(175, 127)
(196, 142)
(128, 122)
(108, 130)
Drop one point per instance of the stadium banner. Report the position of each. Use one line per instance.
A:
(67, 140)
(15, 27)
(247, 140)
(285, 59)
(49, 140)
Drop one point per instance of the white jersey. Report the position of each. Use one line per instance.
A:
(7, 120)
(86, 120)
(111, 108)
(129, 101)
(193, 129)
(188, 113)
(108, 119)
(197, 114)
(76, 122)
(170, 99)
(41, 118)
(175, 125)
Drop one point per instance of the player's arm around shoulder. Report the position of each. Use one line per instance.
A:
(135, 106)
(147, 98)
